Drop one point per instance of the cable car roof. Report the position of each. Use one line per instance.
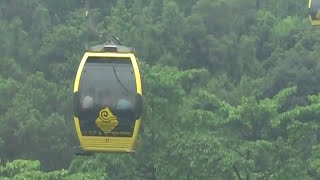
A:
(110, 48)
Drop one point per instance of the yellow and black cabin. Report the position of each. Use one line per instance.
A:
(108, 99)
(314, 12)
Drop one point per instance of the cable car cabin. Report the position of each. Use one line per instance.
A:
(314, 12)
(108, 99)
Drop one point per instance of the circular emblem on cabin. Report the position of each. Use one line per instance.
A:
(104, 115)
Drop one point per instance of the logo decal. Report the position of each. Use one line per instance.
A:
(106, 120)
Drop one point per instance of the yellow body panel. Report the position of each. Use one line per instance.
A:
(108, 144)
(314, 22)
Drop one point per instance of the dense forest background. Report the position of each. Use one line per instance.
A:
(231, 89)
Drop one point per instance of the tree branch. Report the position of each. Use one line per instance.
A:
(237, 172)
(248, 156)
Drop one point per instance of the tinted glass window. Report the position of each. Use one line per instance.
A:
(315, 7)
(107, 83)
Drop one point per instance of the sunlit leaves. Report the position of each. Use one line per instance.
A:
(282, 32)
(24, 169)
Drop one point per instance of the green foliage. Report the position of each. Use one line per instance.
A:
(231, 89)
(23, 169)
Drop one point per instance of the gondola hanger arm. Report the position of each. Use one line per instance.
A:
(93, 28)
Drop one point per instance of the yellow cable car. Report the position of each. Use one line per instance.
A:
(314, 12)
(108, 99)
